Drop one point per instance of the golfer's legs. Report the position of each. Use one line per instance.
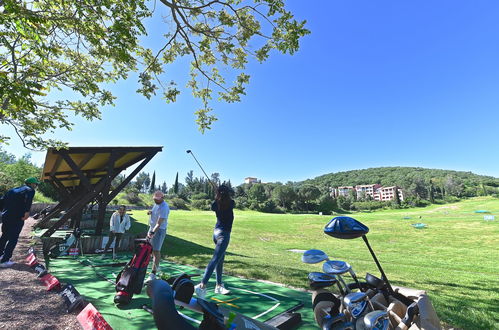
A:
(222, 241)
(110, 241)
(118, 239)
(219, 269)
(3, 239)
(12, 236)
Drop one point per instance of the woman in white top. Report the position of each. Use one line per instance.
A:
(118, 224)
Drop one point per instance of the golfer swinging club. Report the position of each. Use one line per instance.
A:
(224, 209)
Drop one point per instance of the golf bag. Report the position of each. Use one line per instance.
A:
(131, 279)
(62, 248)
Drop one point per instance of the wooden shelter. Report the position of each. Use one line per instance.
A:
(83, 175)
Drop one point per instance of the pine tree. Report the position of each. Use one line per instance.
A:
(175, 186)
(153, 183)
(164, 188)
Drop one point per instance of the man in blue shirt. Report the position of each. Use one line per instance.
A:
(158, 223)
(16, 205)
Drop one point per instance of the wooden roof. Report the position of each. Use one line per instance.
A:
(92, 162)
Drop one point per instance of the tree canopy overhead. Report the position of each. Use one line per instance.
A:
(49, 46)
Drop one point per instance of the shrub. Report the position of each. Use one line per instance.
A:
(132, 197)
(178, 203)
(201, 204)
(241, 202)
(200, 196)
(371, 205)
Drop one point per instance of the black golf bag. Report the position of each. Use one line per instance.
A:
(62, 248)
(131, 279)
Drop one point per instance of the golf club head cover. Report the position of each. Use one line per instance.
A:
(183, 288)
(165, 313)
(325, 295)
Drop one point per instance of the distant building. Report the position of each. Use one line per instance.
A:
(344, 191)
(388, 193)
(367, 189)
(375, 191)
(250, 180)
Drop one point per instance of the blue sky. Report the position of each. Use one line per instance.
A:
(376, 83)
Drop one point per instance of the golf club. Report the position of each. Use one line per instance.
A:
(192, 154)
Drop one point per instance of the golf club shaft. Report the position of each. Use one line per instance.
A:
(192, 154)
(383, 275)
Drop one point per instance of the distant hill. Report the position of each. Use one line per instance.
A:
(413, 180)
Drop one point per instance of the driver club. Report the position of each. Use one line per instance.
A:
(192, 154)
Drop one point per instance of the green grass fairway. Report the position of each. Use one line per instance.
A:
(455, 258)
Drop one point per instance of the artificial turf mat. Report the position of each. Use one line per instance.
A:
(255, 299)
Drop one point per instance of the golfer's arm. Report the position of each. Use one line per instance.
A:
(160, 221)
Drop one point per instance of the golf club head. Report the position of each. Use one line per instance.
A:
(319, 280)
(314, 256)
(336, 267)
(356, 304)
(375, 282)
(345, 228)
(377, 320)
(188, 151)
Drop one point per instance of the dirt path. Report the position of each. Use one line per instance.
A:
(24, 301)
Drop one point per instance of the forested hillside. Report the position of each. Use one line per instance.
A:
(416, 182)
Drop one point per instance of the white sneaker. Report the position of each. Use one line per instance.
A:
(220, 289)
(7, 264)
(200, 292)
(151, 277)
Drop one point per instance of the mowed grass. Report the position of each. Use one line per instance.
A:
(455, 259)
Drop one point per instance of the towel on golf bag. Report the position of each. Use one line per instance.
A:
(131, 279)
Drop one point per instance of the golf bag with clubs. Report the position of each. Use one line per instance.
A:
(62, 248)
(131, 279)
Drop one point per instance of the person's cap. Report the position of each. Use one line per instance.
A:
(158, 195)
(32, 180)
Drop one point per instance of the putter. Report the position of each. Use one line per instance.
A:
(192, 154)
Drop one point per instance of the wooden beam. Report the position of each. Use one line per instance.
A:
(77, 170)
(130, 177)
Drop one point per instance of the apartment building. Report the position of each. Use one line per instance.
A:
(344, 191)
(375, 191)
(388, 193)
(368, 189)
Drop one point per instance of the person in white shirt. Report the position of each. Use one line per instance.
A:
(157, 227)
(118, 225)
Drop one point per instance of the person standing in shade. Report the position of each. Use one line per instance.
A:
(157, 227)
(224, 210)
(16, 206)
(118, 225)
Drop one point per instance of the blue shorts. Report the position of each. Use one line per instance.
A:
(157, 239)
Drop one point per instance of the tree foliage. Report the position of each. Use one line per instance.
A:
(51, 47)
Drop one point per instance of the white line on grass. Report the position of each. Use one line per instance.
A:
(266, 296)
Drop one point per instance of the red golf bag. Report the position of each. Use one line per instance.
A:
(131, 279)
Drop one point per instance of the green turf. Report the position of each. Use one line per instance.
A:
(454, 258)
(258, 300)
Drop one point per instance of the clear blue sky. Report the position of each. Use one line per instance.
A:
(377, 83)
